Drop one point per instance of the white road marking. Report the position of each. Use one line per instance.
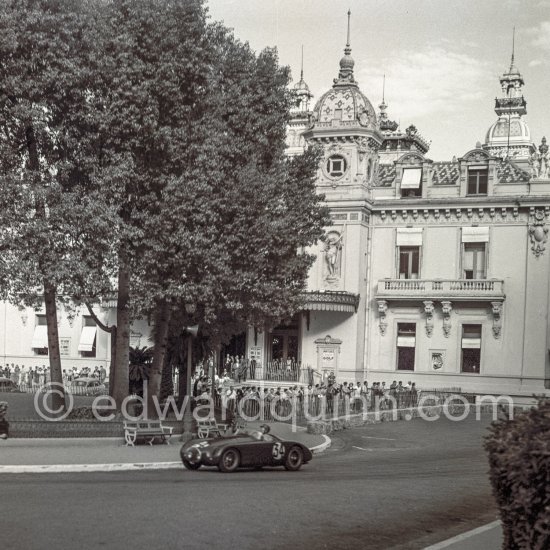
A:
(372, 437)
(464, 536)
(370, 449)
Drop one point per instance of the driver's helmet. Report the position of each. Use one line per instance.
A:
(265, 428)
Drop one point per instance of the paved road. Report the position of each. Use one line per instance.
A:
(399, 485)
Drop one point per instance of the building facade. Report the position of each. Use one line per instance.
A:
(431, 272)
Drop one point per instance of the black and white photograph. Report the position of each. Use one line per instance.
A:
(275, 274)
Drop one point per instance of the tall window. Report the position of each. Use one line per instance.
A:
(409, 262)
(477, 181)
(473, 261)
(40, 337)
(471, 348)
(406, 345)
(87, 345)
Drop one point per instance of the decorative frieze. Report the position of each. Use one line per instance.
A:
(463, 215)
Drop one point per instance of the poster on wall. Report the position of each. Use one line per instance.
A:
(255, 352)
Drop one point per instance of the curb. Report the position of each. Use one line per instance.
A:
(463, 537)
(322, 447)
(79, 468)
(116, 467)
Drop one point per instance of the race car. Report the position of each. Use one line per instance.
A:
(244, 451)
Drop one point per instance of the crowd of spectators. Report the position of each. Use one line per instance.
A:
(28, 378)
(346, 396)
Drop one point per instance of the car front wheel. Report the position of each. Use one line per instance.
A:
(229, 461)
(191, 465)
(294, 459)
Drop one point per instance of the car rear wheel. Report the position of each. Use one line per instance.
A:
(191, 465)
(229, 461)
(294, 459)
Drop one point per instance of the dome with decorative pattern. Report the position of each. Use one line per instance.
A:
(346, 104)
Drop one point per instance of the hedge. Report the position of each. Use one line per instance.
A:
(519, 458)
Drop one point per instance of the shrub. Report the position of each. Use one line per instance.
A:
(519, 458)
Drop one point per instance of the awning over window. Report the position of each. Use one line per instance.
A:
(406, 341)
(87, 339)
(411, 178)
(471, 343)
(475, 234)
(409, 236)
(40, 337)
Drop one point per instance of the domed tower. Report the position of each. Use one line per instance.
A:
(509, 137)
(302, 92)
(344, 122)
(300, 114)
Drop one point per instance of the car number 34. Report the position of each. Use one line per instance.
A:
(278, 451)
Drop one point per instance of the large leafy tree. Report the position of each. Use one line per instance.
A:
(53, 219)
(241, 211)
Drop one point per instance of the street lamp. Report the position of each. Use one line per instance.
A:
(187, 417)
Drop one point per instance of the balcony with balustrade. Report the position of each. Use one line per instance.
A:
(441, 289)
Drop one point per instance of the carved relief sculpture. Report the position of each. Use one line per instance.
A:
(446, 308)
(429, 311)
(382, 309)
(538, 233)
(438, 359)
(497, 318)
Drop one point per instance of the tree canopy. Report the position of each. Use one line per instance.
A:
(160, 172)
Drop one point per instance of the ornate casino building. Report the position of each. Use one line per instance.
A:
(431, 272)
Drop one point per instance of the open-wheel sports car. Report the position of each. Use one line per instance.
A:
(244, 451)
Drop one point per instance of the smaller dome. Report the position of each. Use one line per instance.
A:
(503, 129)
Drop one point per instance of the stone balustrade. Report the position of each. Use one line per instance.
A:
(453, 289)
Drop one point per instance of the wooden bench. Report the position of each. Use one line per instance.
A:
(208, 427)
(147, 429)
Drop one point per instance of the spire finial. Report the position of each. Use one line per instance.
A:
(349, 16)
(384, 89)
(513, 47)
(302, 65)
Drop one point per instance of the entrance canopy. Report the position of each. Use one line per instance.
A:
(331, 300)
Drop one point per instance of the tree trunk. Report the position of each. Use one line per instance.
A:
(167, 379)
(162, 324)
(112, 366)
(122, 348)
(56, 374)
(113, 332)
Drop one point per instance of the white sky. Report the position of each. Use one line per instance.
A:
(442, 58)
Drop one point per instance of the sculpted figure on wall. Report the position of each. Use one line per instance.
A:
(539, 162)
(333, 252)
